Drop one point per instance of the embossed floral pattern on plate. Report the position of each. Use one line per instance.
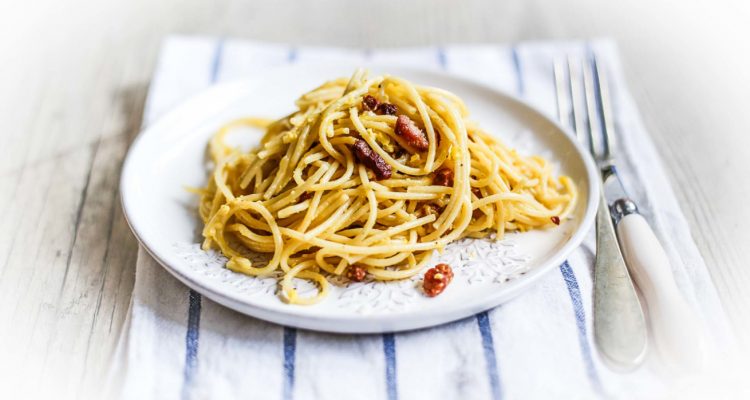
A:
(475, 261)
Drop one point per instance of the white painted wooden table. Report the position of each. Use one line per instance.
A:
(74, 77)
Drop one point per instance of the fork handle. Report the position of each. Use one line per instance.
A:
(619, 324)
(675, 329)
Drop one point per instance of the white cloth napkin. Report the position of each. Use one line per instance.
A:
(538, 346)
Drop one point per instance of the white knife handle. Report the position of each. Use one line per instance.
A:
(675, 328)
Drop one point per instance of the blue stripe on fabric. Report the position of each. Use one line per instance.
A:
(192, 336)
(290, 349)
(290, 334)
(520, 87)
(191, 341)
(488, 345)
(389, 339)
(442, 59)
(483, 319)
(292, 56)
(216, 63)
(580, 315)
(389, 350)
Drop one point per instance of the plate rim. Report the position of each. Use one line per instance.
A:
(295, 315)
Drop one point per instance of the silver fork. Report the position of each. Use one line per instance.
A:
(675, 328)
(620, 329)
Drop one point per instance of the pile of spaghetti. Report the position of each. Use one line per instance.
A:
(370, 175)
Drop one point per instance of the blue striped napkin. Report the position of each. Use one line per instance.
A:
(177, 344)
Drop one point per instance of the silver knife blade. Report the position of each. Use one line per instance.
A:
(617, 197)
(613, 187)
(615, 194)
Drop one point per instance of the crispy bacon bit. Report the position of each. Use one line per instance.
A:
(386, 109)
(414, 136)
(443, 177)
(370, 102)
(356, 273)
(429, 209)
(371, 160)
(436, 279)
(476, 214)
(555, 220)
(305, 196)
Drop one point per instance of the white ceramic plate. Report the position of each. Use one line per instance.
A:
(171, 155)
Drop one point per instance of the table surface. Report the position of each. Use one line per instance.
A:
(75, 77)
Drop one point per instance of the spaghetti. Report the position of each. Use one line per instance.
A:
(369, 173)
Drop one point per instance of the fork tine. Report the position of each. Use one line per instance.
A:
(605, 109)
(594, 128)
(575, 97)
(563, 106)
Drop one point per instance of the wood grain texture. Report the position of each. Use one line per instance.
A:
(74, 79)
